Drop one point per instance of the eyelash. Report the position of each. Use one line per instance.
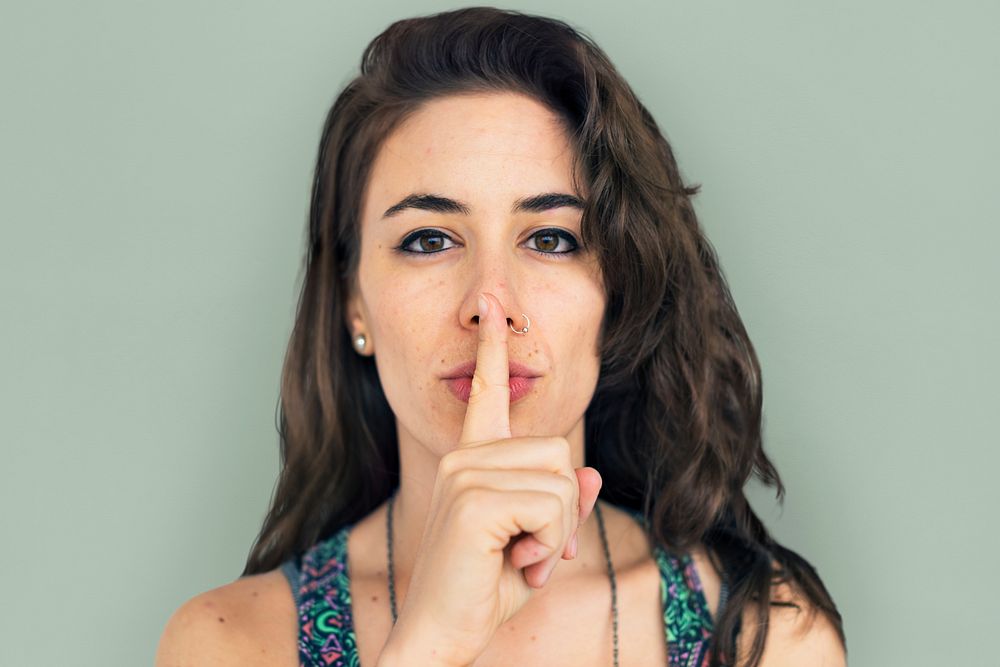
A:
(424, 233)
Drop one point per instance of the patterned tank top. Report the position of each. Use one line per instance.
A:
(320, 583)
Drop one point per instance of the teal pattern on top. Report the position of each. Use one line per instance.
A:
(320, 583)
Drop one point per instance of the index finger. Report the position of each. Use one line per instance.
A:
(488, 416)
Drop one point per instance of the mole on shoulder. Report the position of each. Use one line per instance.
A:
(222, 620)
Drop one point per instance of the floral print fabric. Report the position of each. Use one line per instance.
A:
(320, 582)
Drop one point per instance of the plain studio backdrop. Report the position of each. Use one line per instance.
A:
(156, 164)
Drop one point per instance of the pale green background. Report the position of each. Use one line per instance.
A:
(156, 163)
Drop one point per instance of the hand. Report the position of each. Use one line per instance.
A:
(503, 513)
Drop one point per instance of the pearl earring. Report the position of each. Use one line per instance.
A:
(359, 342)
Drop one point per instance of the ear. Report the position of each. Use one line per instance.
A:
(354, 320)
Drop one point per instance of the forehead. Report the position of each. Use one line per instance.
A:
(487, 149)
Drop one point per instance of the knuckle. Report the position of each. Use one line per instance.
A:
(469, 504)
(554, 505)
(463, 478)
(450, 463)
(567, 488)
(561, 451)
(481, 387)
(477, 389)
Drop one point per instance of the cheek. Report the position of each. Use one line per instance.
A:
(406, 326)
(587, 340)
(580, 308)
(403, 306)
(581, 355)
(576, 312)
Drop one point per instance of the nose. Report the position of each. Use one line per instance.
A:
(493, 277)
(515, 318)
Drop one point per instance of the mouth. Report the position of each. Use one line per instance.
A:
(461, 387)
(515, 369)
(522, 379)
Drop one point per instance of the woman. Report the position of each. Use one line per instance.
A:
(435, 441)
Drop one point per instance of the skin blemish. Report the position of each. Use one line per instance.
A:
(222, 620)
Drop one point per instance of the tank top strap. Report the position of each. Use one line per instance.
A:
(320, 583)
(319, 579)
(687, 621)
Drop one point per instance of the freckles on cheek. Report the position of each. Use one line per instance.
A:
(396, 293)
(417, 304)
(411, 318)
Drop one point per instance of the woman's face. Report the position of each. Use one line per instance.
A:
(418, 309)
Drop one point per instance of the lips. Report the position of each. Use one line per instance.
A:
(461, 387)
(522, 379)
(516, 369)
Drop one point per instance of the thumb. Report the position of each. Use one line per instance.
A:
(525, 551)
(590, 486)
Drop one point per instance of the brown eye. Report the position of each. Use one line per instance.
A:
(431, 243)
(547, 242)
(428, 241)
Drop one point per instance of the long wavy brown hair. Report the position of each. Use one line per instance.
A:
(674, 425)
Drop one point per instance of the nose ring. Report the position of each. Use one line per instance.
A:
(526, 325)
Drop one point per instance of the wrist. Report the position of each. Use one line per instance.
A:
(396, 657)
(399, 651)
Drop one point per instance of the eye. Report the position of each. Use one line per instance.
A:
(428, 248)
(429, 242)
(549, 240)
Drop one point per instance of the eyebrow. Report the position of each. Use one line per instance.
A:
(439, 204)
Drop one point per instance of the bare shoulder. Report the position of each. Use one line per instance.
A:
(250, 621)
(800, 636)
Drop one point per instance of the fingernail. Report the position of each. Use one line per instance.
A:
(484, 306)
(573, 545)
